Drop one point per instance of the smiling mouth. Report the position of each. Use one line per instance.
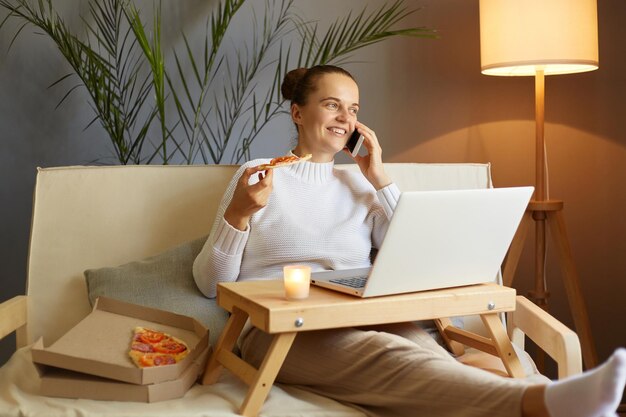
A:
(337, 131)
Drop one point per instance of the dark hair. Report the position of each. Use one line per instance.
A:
(301, 82)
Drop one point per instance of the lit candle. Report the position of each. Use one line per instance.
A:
(297, 280)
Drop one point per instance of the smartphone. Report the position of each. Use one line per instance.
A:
(354, 143)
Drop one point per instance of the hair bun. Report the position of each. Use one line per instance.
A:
(291, 81)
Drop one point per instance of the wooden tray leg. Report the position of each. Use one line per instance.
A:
(226, 342)
(266, 375)
(455, 347)
(503, 345)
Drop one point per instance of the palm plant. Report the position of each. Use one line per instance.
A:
(120, 62)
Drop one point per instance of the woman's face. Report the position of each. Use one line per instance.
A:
(327, 119)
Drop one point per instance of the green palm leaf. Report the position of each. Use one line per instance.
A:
(120, 63)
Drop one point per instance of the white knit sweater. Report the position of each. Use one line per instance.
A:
(316, 215)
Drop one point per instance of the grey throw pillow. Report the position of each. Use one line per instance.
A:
(163, 281)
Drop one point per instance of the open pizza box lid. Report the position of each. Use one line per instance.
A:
(57, 382)
(99, 344)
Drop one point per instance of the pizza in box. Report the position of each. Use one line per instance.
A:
(150, 348)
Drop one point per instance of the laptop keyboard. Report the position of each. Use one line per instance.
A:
(352, 282)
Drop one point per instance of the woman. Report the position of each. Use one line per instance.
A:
(310, 213)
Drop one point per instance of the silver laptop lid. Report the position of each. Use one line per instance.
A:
(439, 239)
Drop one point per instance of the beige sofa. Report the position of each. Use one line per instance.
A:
(88, 218)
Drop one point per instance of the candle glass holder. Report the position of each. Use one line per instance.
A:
(297, 280)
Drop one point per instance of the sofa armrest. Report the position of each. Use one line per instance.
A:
(552, 336)
(13, 314)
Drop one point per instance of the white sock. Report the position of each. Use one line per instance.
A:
(594, 393)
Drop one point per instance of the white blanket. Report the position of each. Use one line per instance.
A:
(19, 387)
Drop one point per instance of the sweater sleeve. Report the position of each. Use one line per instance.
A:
(388, 197)
(220, 258)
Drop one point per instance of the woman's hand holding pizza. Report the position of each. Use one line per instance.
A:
(371, 164)
(248, 199)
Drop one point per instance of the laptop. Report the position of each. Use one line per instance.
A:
(438, 239)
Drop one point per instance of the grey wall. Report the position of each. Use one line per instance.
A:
(427, 102)
(35, 134)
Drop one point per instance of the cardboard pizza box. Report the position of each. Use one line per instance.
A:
(57, 382)
(99, 344)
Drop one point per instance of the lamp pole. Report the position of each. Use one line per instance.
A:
(540, 171)
(539, 294)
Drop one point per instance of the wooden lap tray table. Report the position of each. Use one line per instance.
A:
(264, 303)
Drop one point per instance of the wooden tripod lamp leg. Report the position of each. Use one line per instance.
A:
(572, 288)
(515, 251)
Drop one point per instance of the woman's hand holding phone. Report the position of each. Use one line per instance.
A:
(371, 165)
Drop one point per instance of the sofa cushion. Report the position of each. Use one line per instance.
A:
(163, 281)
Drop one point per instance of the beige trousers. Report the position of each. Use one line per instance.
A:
(391, 370)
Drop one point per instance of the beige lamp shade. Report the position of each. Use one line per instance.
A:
(519, 37)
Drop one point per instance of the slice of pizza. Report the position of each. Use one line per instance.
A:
(155, 348)
(283, 161)
(148, 360)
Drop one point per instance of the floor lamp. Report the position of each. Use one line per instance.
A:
(539, 38)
